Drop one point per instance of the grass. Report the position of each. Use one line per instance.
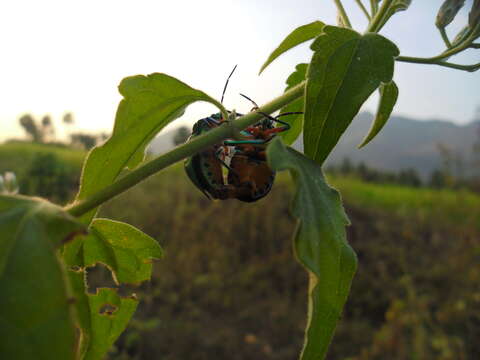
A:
(445, 208)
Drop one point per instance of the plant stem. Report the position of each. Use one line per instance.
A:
(376, 23)
(343, 14)
(470, 68)
(197, 144)
(373, 7)
(445, 37)
(362, 7)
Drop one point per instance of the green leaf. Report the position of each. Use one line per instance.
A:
(36, 320)
(110, 314)
(295, 121)
(320, 245)
(126, 251)
(149, 104)
(296, 37)
(388, 99)
(346, 68)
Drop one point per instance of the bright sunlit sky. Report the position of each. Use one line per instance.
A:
(69, 56)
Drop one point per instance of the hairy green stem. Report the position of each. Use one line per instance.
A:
(362, 7)
(181, 152)
(439, 59)
(343, 14)
(376, 23)
(470, 68)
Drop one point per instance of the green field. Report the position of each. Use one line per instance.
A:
(445, 207)
(229, 287)
(17, 156)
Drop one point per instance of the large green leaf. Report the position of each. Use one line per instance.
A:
(346, 68)
(320, 245)
(128, 253)
(150, 102)
(295, 121)
(388, 99)
(36, 320)
(296, 37)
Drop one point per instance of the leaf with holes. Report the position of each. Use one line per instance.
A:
(36, 319)
(149, 104)
(128, 253)
(296, 37)
(295, 121)
(320, 246)
(346, 68)
(110, 314)
(388, 99)
(125, 250)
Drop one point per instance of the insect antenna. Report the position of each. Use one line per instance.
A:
(226, 83)
(253, 102)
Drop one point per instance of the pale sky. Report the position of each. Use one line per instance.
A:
(69, 56)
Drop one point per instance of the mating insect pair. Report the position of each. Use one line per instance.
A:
(248, 177)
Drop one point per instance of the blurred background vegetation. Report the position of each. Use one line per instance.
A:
(229, 288)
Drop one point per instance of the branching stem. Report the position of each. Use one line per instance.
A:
(181, 152)
(470, 68)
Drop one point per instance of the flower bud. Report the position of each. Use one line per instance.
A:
(448, 11)
(474, 18)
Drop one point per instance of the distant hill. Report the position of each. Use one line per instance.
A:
(406, 143)
(403, 143)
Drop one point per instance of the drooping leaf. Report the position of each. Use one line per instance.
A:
(110, 314)
(36, 315)
(126, 251)
(296, 37)
(388, 99)
(149, 103)
(320, 245)
(346, 68)
(295, 121)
